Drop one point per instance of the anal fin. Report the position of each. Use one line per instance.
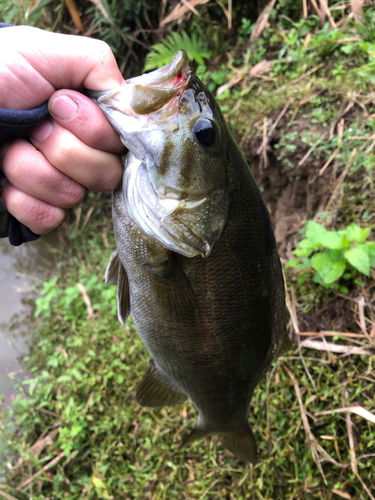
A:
(156, 389)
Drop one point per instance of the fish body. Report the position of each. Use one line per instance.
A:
(196, 261)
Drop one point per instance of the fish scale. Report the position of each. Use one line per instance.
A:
(203, 283)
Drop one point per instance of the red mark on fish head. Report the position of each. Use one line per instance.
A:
(181, 78)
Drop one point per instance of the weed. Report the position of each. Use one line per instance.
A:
(162, 53)
(336, 254)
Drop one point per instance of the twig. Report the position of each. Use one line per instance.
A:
(307, 73)
(361, 314)
(318, 11)
(179, 11)
(272, 129)
(77, 213)
(332, 334)
(86, 299)
(87, 217)
(264, 152)
(302, 160)
(227, 14)
(262, 20)
(304, 5)
(315, 447)
(358, 410)
(292, 310)
(190, 7)
(325, 9)
(349, 428)
(357, 11)
(340, 180)
(47, 466)
(6, 495)
(364, 486)
(341, 493)
(323, 169)
(343, 349)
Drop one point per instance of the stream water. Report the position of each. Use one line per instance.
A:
(21, 269)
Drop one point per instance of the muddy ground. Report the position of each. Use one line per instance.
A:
(298, 193)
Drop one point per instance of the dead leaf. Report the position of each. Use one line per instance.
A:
(357, 10)
(180, 10)
(75, 15)
(262, 21)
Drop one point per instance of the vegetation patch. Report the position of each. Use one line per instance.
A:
(296, 86)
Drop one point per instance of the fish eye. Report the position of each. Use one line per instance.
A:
(204, 132)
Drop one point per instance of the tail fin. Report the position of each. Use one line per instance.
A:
(241, 443)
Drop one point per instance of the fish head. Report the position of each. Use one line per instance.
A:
(175, 179)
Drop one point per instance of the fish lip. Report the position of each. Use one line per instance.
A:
(163, 77)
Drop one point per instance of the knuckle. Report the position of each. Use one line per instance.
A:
(104, 49)
(73, 194)
(110, 177)
(47, 218)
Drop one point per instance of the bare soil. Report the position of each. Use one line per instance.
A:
(298, 193)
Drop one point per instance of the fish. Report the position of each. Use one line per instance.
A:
(196, 262)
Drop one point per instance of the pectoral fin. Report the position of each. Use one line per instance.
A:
(115, 275)
(111, 273)
(156, 389)
(123, 298)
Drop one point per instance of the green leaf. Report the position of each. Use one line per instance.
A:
(292, 263)
(305, 247)
(321, 235)
(356, 233)
(330, 270)
(302, 278)
(335, 254)
(359, 259)
(162, 53)
(370, 249)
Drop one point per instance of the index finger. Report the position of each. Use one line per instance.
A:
(81, 116)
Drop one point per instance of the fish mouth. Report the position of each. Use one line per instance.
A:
(149, 92)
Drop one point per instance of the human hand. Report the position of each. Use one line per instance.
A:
(73, 150)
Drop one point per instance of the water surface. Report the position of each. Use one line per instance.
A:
(21, 270)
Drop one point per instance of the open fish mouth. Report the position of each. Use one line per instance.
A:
(147, 93)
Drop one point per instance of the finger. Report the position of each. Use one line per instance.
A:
(50, 61)
(81, 116)
(37, 215)
(29, 171)
(95, 169)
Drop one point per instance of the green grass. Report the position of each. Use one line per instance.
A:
(84, 371)
(81, 393)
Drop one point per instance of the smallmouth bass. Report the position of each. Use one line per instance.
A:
(196, 261)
